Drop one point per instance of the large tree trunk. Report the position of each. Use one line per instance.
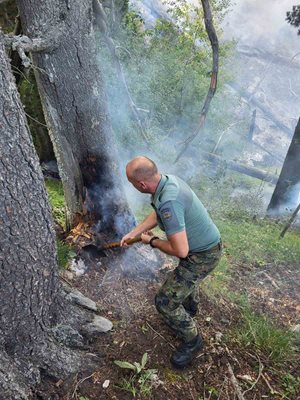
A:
(72, 93)
(286, 195)
(31, 297)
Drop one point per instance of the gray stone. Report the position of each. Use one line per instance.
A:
(295, 328)
(99, 325)
(67, 335)
(77, 297)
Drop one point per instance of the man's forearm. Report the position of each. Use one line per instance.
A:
(149, 223)
(166, 247)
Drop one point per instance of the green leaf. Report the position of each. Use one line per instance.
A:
(138, 367)
(144, 359)
(125, 364)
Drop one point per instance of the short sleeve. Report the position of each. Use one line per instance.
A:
(172, 217)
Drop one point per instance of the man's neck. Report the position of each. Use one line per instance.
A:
(155, 183)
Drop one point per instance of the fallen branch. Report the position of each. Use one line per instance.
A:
(211, 32)
(243, 169)
(261, 367)
(268, 113)
(235, 383)
(80, 382)
(271, 280)
(160, 335)
(269, 386)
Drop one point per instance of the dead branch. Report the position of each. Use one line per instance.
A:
(223, 134)
(211, 32)
(292, 91)
(268, 113)
(291, 220)
(103, 25)
(260, 370)
(23, 44)
(241, 168)
(235, 383)
(271, 280)
(269, 386)
(160, 335)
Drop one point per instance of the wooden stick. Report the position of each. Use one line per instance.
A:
(291, 220)
(235, 383)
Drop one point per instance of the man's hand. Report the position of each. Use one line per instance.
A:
(146, 237)
(129, 235)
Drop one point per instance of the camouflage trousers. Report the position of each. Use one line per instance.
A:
(181, 291)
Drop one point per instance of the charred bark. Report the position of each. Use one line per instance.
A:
(287, 191)
(32, 302)
(72, 92)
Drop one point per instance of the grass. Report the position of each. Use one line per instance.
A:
(57, 200)
(258, 332)
(257, 242)
(64, 253)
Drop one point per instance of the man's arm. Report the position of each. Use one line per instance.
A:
(149, 223)
(175, 245)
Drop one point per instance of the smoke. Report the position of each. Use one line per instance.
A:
(262, 24)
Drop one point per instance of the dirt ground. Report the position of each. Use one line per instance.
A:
(223, 371)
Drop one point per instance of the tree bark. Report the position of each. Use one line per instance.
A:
(287, 191)
(73, 97)
(31, 297)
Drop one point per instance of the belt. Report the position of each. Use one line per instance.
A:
(216, 247)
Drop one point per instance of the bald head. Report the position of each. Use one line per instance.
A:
(143, 174)
(141, 168)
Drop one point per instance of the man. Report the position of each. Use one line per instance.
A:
(191, 236)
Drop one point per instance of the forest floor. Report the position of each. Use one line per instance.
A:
(247, 312)
(249, 318)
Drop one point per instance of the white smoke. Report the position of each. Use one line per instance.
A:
(260, 24)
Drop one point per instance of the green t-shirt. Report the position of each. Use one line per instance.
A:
(178, 208)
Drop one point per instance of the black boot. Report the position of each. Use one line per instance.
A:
(185, 353)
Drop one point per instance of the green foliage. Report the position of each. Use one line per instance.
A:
(257, 331)
(140, 380)
(64, 253)
(57, 200)
(167, 69)
(291, 385)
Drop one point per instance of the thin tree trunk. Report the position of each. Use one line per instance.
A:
(287, 191)
(211, 32)
(73, 97)
(291, 220)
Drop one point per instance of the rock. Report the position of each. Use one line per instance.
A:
(99, 325)
(68, 336)
(295, 328)
(218, 336)
(106, 384)
(77, 297)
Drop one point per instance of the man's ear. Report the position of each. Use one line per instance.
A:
(143, 184)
